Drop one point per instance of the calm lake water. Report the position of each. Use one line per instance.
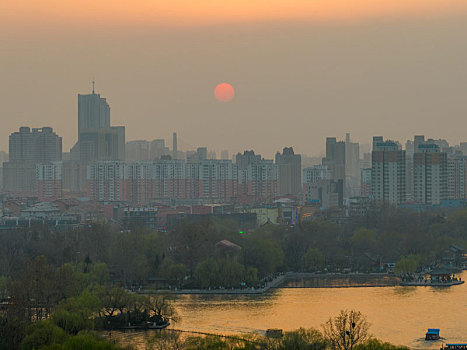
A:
(400, 315)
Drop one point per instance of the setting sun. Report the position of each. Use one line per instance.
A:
(224, 92)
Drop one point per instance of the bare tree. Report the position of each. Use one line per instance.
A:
(346, 330)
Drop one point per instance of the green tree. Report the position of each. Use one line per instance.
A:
(176, 273)
(207, 273)
(407, 264)
(313, 260)
(303, 339)
(43, 333)
(251, 276)
(264, 254)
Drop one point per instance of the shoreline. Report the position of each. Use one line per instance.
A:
(289, 277)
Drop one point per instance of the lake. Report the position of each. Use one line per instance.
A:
(400, 315)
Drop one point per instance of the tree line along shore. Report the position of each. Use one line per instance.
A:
(45, 274)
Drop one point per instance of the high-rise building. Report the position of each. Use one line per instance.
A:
(218, 179)
(26, 149)
(49, 180)
(74, 176)
(202, 153)
(3, 159)
(335, 158)
(289, 167)
(456, 176)
(36, 146)
(365, 178)
(158, 149)
(225, 154)
(352, 167)
(315, 173)
(105, 181)
(257, 178)
(97, 140)
(429, 174)
(139, 182)
(175, 146)
(93, 112)
(172, 180)
(388, 172)
(248, 157)
(102, 144)
(328, 194)
(137, 150)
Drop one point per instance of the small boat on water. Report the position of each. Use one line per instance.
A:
(458, 346)
(432, 334)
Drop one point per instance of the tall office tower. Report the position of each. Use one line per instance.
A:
(49, 180)
(137, 150)
(27, 148)
(352, 167)
(456, 176)
(289, 167)
(429, 174)
(257, 178)
(225, 154)
(102, 144)
(388, 171)
(174, 146)
(218, 180)
(93, 112)
(365, 187)
(105, 181)
(335, 158)
(97, 140)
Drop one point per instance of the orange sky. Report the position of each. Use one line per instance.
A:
(215, 11)
(370, 67)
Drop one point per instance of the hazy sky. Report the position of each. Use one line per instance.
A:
(302, 69)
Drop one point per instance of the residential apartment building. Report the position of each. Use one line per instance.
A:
(429, 174)
(49, 180)
(388, 178)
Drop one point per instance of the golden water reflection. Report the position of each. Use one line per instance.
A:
(400, 315)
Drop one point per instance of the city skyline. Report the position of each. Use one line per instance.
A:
(233, 174)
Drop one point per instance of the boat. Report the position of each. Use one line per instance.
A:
(432, 334)
(458, 346)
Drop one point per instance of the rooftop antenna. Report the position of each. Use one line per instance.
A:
(93, 82)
